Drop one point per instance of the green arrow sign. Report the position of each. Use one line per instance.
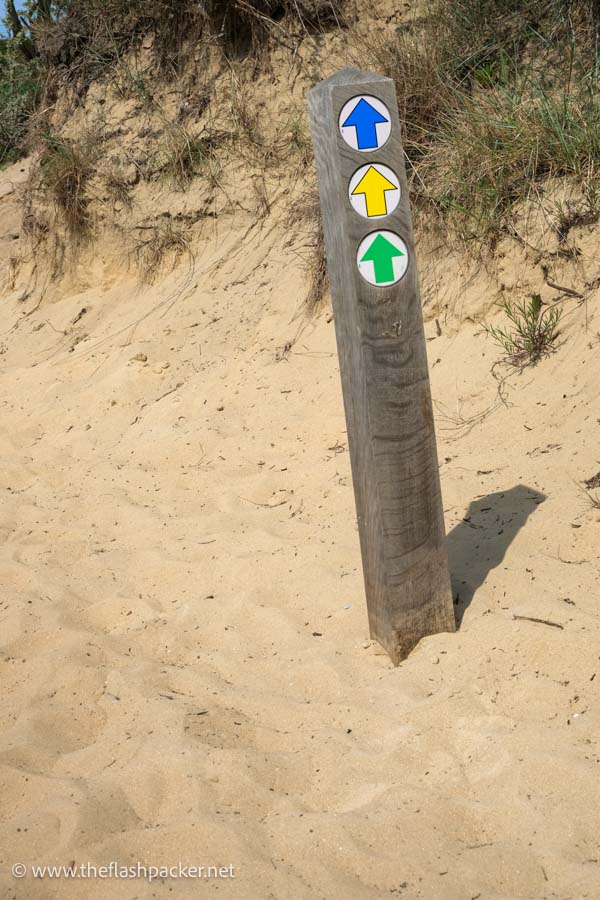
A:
(382, 254)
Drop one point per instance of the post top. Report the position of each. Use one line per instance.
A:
(348, 76)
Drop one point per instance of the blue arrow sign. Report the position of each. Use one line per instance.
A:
(365, 118)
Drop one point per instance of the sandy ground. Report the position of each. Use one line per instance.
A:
(185, 664)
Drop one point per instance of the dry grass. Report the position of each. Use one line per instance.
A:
(305, 216)
(259, 138)
(119, 182)
(64, 173)
(590, 495)
(244, 26)
(496, 96)
(248, 133)
(93, 35)
(36, 225)
(294, 142)
(154, 244)
(593, 482)
(319, 279)
(185, 155)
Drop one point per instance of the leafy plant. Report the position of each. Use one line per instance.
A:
(532, 333)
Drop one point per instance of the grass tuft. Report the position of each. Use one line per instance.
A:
(532, 332)
(495, 97)
(65, 170)
(319, 279)
(185, 155)
(305, 213)
(155, 244)
(119, 183)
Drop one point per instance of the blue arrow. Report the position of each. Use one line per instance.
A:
(364, 118)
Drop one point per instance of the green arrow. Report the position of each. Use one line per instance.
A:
(382, 254)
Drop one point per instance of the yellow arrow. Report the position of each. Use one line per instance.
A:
(374, 185)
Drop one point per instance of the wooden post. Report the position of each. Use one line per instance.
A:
(383, 362)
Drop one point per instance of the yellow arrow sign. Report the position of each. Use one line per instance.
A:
(374, 186)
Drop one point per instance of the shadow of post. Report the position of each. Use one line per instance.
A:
(479, 542)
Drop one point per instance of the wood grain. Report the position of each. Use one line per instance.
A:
(385, 382)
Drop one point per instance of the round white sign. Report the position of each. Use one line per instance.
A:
(365, 123)
(374, 191)
(382, 258)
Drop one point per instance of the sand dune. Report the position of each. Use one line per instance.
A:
(186, 668)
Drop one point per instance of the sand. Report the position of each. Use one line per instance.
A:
(185, 662)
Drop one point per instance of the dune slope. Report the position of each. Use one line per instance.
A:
(185, 664)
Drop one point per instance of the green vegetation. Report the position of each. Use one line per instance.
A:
(532, 333)
(70, 43)
(496, 96)
(19, 93)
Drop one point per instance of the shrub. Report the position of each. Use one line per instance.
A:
(19, 92)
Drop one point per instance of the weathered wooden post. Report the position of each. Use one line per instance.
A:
(383, 362)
